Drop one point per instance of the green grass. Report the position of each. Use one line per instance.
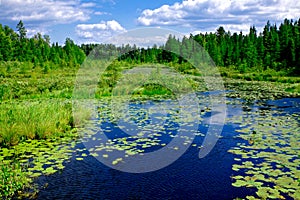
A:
(259, 75)
(157, 80)
(22, 120)
(152, 90)
(25, 81)
(34, 104)
(294, 89)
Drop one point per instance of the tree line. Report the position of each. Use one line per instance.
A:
(16, 46)
(276, 48)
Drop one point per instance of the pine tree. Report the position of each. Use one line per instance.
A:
(22, 30)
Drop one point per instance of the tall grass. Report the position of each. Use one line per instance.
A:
(259, 75)
(25, 81)
(33, 105)
(21, 120)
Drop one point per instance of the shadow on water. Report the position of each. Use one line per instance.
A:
(187, 178)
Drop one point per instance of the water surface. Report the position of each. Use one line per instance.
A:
(187, 178)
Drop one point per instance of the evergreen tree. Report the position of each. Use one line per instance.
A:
(22, 30)
(274, 48)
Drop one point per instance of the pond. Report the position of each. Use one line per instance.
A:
(257, 154)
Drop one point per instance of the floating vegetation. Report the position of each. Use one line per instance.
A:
(146, 126)
(257, 90)
(12, 180)
(117, 161)
(35, 158)
(268, 159)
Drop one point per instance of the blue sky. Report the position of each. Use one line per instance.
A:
(96, 20)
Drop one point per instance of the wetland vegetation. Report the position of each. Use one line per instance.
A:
(38, 133)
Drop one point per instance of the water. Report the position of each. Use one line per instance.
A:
(187, 178)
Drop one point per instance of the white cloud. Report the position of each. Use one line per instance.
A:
(101, 13)
(88, 5)
(144, 37)
(54, 12)
(142, 42)
(207, 15)
(99, 32)
(33, 31)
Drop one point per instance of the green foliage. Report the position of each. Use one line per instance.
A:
(26, 81)
(33, 120)
(153, 90)
(22, 30)
(242, 72)
(17, 47)
(276, 49)
(12, 180)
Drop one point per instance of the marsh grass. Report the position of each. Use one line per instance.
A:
(21, 120)
(26, 81)
(294, 89)
(145, 79)
(152, 90)
(270, 75)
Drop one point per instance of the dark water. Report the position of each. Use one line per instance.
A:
(187, 178)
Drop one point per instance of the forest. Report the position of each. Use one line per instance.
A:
(276, 48)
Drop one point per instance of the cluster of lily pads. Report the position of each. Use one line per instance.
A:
(269, 157)
(36, 158)
(258, 90)
(146, 126)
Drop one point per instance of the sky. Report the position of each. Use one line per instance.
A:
(95, 21)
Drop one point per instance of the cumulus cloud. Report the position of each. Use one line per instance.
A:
(33, 31)
(52, 12)
(99, 32)
(209, 14)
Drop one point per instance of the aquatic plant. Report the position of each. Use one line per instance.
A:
(268, 159)
(22, 163)
(12, 179)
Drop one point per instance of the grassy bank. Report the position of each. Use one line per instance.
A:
(34, 105)
(258, 74)
(26, 81)
(35, 102)
(22, 120)
(31, 132)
